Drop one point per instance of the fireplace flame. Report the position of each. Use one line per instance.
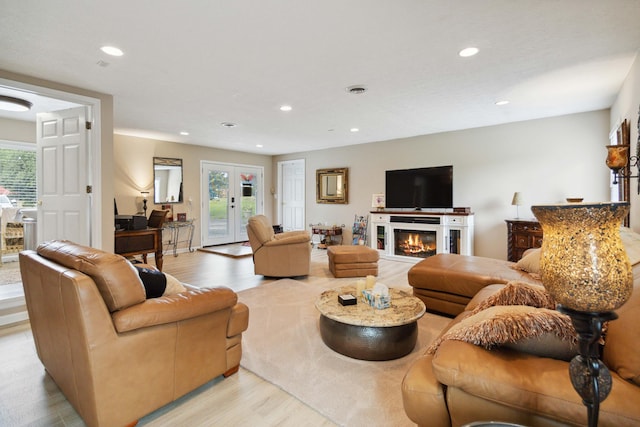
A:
(415, 245)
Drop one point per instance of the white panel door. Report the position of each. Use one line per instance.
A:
(292, 194)
(62, 159)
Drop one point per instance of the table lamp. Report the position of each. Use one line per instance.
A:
(145, 194)
(517, 201)
(585, 268)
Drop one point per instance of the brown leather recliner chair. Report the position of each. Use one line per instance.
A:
(285, 254)
(116, 355)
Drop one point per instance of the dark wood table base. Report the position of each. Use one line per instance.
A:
(369, 342)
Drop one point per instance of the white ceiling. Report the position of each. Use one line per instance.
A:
(193, 65)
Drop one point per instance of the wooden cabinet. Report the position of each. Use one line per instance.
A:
(522, 235)
(140, 242)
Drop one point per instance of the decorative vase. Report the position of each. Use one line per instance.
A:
(584, 264)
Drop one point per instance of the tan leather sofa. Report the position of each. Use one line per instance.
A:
(447, 282)
(462, 383)
(285, 254)
(116, 355)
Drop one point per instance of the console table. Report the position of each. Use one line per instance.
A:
(140, 242)
(327, 234)
(174, 228)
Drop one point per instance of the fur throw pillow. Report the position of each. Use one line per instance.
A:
(519, 293)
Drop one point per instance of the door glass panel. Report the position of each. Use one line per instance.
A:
(249, 186)
(218, 203)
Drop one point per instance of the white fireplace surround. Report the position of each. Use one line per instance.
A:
(454, 231)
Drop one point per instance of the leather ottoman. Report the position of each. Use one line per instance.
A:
(352, 261)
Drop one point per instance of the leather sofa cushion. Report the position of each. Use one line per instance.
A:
(352, 254)
(116, 278)
(261, 227)
(463, 275)
(622, 341)
(173, 308)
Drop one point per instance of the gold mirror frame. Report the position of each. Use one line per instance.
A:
(167, 180)
(332, 186)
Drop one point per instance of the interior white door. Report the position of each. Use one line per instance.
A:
(292, 195)
(231, 194)
(64, 205)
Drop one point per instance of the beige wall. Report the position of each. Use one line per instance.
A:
(627, 106)
(547, 160)
(17, 130)
(133, 168)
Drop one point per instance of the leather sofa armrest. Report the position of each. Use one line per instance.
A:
(173, 308)
(289, 240)
(423, 396)
(239, 320)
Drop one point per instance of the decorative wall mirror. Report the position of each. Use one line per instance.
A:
(167, 180)
(332, 185)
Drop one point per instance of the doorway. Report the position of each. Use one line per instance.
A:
(231, 194)
(291, 188)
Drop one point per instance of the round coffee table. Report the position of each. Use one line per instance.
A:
(363, 332)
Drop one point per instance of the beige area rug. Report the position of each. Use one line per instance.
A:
(10, 273)
(283, 346)
(235, 250)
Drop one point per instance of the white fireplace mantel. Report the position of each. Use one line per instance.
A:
(453, 231)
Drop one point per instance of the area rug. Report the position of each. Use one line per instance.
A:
(283, 346)
(234, 250)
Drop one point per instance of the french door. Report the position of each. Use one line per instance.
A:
(231, 194)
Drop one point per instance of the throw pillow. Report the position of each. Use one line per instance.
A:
(174, 286)
(518, 293)
(154, 281)
(530, 262)
(539, 331)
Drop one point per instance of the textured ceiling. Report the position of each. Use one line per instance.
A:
(193, 65)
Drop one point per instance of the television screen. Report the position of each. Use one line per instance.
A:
(419, 188)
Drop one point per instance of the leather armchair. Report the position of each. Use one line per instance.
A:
(285, 254)
(116, 355)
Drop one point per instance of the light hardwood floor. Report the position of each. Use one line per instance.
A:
(28, 396)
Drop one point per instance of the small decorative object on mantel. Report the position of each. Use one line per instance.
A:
(377, 201)
(585, 268)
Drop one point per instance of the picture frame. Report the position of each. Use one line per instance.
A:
(182, 216)
(378, 201)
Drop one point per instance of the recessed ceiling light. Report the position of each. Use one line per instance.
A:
(354, 129)
(9, 103)
(228, 124)
(259, 145)
(112, 50)
(469, 51)
(285, 108)
(184, 133)
(503, 102)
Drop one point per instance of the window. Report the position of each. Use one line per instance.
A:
(18, 173)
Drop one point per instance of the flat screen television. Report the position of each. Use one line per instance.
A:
(421, 188)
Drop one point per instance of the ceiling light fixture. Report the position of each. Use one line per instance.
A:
(469, 51)
(356, 89)
(9, 103)
(228, 124)
(112, 50)
(503, 102)
(286, 108)
(184, 133)
(354, 130)
(259, 145)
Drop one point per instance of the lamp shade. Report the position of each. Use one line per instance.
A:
(517, 199)
(584, 264)
(617, 156)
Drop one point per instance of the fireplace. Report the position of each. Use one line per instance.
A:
(415, 243)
